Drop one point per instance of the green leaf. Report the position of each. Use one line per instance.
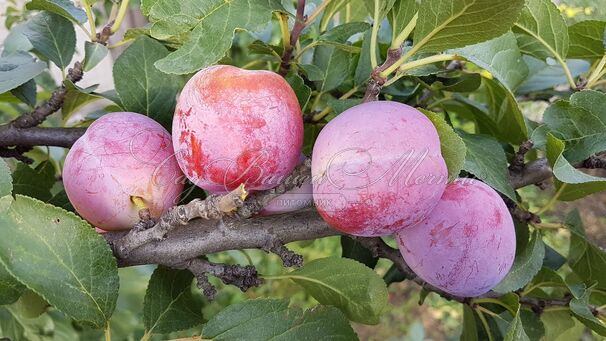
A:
(503, 109)
(335, 64)
(527, 264)
(446, 24)
(26, 92)
(302, 91)
(14, 327)
(486, 159)
(384, 7)
(587, 39)
(543, 30)
(154, 93)
(342, 33)
(466, 82)
(553, 259)
(214, 18)
(364, 67)
(64, 8)
(578, 184)
(261, 47)
(10, 288)
(580, 309)
(452, 146)
(17, 69)
(61, 258)
(75, 98)
(30, 305)
(585, 258)
(169, 303)
(340, 105)
(583, 131)
(146, 6)
(560, 326)
(533, 326)
(501, 57)
(549, 74)
(93, 54)
(401, 14)
(35, 183)
(470, 329)
(271, 319)
(312, 72)
(516, 330)
(6, 186)
(53, 37)
(352, 249)
(346, 284)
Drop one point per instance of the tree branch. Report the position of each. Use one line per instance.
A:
(36, 136)
(532, 173)
(202, 237)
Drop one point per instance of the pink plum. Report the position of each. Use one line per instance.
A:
(234, 126)
(377, 168)
(468, 243)
(122, 156)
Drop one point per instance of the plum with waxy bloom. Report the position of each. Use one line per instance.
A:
(468, 243)
(235, 126)
(377, 168)
(124, 161)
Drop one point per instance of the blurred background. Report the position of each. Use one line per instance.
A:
(405, 320)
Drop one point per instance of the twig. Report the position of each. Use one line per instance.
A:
(376, 82)
(289, 257)
(53, 104)
(213, 207)
(205, 286)
(243, 277)
(298, 27)
(534, 172)
(517, 164)
(519, 213)
(17, 153)
(594, 162)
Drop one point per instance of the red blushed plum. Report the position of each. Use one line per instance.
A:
(234, 126)
(467, 245)
(377, 168)
(122, 156)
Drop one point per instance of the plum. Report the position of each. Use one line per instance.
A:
(123, 161)
(377, 168)
(293, 200)
(234, 126)
(468, 243)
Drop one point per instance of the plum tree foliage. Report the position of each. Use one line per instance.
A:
(420, 117)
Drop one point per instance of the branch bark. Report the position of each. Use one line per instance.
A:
(202, 237)
(37, 136)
